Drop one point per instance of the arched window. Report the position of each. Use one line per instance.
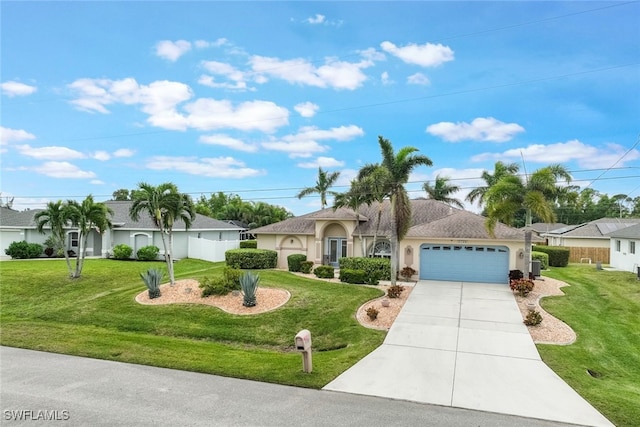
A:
(382, 249)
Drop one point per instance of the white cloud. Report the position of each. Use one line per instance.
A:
(8, 135)
(227, 141)
(418, 79)
(307, 109)
(426, 55)
(586, 155)
(63, 170)
(123, 152)
(209, 114)
(96, 182)
(237, 77)
(218, 167)
(13, 88)
(372, 54)
(172, 50)
(50, 153)
(384, 78)
(317, 19)
(334, 73)
(325, 162)
(480, 129)
(101, 155)
(305, 142)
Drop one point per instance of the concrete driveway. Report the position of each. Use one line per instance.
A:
(464, 345)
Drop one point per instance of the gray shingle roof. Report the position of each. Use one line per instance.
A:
(631, 232)
(429, 218)
(17, 219)
(543, 227)
(599, 228)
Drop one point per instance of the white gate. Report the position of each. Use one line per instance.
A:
(210, 250)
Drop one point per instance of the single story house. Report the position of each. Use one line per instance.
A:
(443, 243)
(540, 228)
(625, 249)
(588, 241)
(18, 226)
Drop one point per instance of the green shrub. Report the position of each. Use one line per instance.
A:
(542, 257)
(373, 279)
(122, 251)
(152, 278)
(23, 250)
(232, 277)
(148, 253)
(215, 286)
(294, 261)
(324, 272)
(249, 244)
(306, 267)
(381, 267)
(249, 283)
(53, 246)
(251, 259)
(357, 277)
(558, 255)
(533, 318)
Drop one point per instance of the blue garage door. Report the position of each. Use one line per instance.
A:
(462, 263)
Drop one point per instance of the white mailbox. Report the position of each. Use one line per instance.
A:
(303, 340)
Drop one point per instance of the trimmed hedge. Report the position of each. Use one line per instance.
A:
(148, 253)
(357, 277)
(122, 251)
(378, 267)
(294, 261)
(251, 259)
(558, 255)
(306, 267)
(542, 257)
(324, 272)
(23, 250)
(249, 244)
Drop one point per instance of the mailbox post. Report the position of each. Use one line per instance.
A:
(303, 344)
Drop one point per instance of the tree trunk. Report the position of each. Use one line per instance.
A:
(172, 279)
(167, 256)
(527, 244)
(395, 255)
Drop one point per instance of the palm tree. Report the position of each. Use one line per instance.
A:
(164, 204)
(500, 169)
(375, 182)
(442, 190)
(56, 216)
(86, 216)
(536, 195)
(323, 183)
(399, 166)
(353, 198)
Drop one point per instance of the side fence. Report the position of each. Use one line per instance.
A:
(210, 250)
(594, 254)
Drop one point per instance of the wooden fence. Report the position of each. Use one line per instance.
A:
(594, 254)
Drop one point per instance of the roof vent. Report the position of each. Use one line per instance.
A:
(450, 210)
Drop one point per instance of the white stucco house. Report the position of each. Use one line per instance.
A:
(18, 226)
(443, 243)
(625, 249)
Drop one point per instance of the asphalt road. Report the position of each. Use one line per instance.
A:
(77, 391)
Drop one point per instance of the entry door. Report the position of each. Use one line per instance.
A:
(337, 250)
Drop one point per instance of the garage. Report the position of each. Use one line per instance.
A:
(463, 263)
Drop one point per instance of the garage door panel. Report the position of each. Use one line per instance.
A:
(487, 264)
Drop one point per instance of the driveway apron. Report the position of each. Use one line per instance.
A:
(464, 345)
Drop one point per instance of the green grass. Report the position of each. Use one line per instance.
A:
(97, 316)
(603, 308)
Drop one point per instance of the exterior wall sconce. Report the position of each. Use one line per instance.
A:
(408, 251)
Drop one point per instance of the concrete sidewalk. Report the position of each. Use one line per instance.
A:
(464, 345)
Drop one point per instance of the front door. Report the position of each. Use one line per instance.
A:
(337, 250)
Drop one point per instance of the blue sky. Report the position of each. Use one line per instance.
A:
(251, 97)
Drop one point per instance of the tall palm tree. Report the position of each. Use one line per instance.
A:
(353, 198)
(399, 166)
(442, 190)
(375, 182)
(56, 217)
(164, 204)
(536, 195)
(86, 216)
(500, 169)
(324, 181)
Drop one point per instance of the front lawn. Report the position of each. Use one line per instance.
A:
(603, 308)
(96, 316)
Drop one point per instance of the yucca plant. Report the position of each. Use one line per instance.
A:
(152, 279)
(249, 285)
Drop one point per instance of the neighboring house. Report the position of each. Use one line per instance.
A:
(588, 241)
(18, 226)
(443, 243)
(625, 249)
(540, 228)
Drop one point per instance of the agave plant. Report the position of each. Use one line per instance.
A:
(152, 279)
(249, 284)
